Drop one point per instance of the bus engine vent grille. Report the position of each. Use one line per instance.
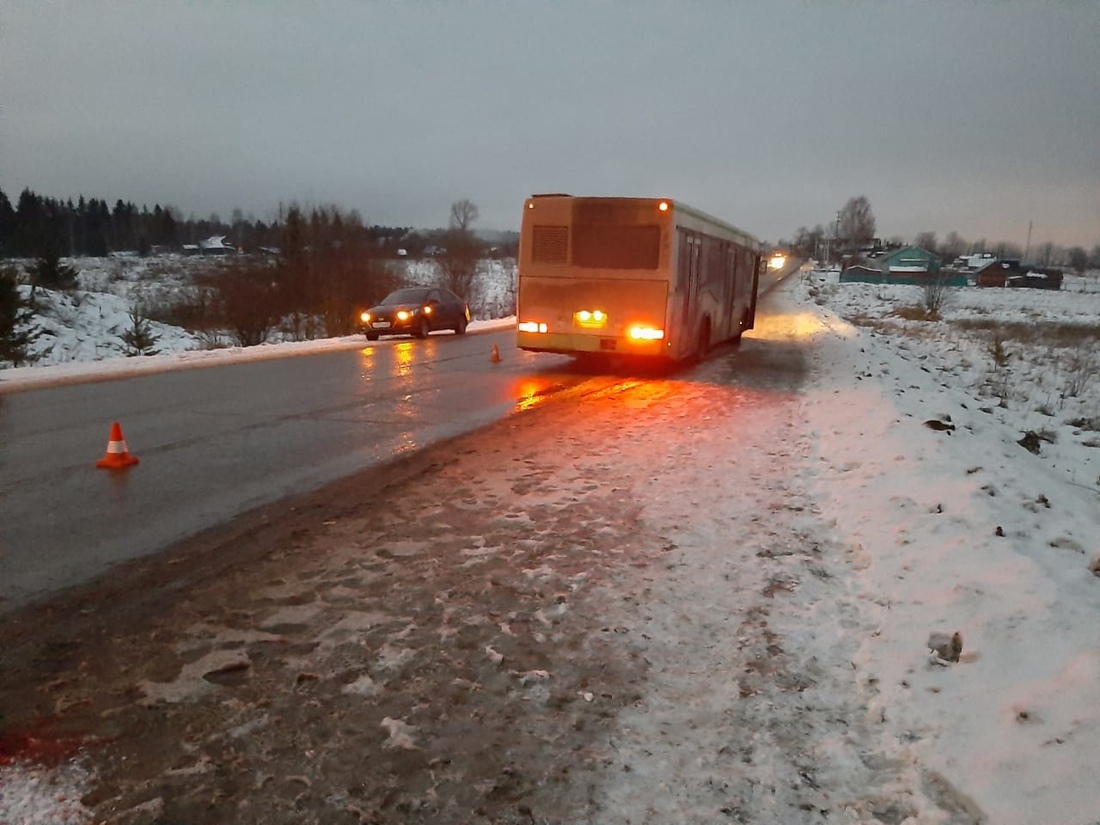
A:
(551, 245)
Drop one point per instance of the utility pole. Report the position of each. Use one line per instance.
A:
(836, 234)
(1027, 248)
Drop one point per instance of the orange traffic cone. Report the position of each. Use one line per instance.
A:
(495, 357)
(117, 456)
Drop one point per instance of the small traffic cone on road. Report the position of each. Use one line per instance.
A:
(495, 357)
(117, 456)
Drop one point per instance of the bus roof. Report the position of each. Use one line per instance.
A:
(677, 206)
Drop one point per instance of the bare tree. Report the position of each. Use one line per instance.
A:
(462, 250)
(808, 242)
(856, 222)
(926, 240)
(1078, 259)
(463, 214)
(953, 246)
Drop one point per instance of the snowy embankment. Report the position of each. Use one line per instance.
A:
(960, 528)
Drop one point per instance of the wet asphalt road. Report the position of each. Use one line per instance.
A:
(216, 442)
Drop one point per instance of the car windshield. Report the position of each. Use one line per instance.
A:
(406, 296)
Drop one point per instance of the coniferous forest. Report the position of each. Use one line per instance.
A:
(37, 226)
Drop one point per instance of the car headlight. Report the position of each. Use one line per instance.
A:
(364, 317)
(404, 315)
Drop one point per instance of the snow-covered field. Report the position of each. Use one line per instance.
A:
(952, 468)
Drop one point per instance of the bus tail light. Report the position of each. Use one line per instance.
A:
(531, 326)
(640, 333)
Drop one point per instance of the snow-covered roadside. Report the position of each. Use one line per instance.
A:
(964, 531)
(890, 531)
(74, 372)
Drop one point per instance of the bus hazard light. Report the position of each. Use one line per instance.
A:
(117, 456)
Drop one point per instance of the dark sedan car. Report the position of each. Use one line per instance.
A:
(415, 311)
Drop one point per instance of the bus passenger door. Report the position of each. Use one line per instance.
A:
(733, 318)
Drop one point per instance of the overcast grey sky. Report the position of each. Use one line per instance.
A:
(969, 115)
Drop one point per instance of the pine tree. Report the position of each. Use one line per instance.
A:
(7, 224)
(139, 338)
(16, 321)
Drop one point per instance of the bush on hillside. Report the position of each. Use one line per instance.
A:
(16, 321)
(49, 273)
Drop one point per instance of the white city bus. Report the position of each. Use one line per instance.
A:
(632, 276)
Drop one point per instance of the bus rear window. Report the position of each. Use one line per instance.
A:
(612, 246)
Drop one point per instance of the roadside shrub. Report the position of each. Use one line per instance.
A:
(914, 312)
(192, 308)
(934, 297)
(1031, 332)
(1080, 371)
(997, 350)
(998, 380)
(248, 302)
(1090, 423)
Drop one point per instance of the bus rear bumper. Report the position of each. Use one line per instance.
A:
(569, 343)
